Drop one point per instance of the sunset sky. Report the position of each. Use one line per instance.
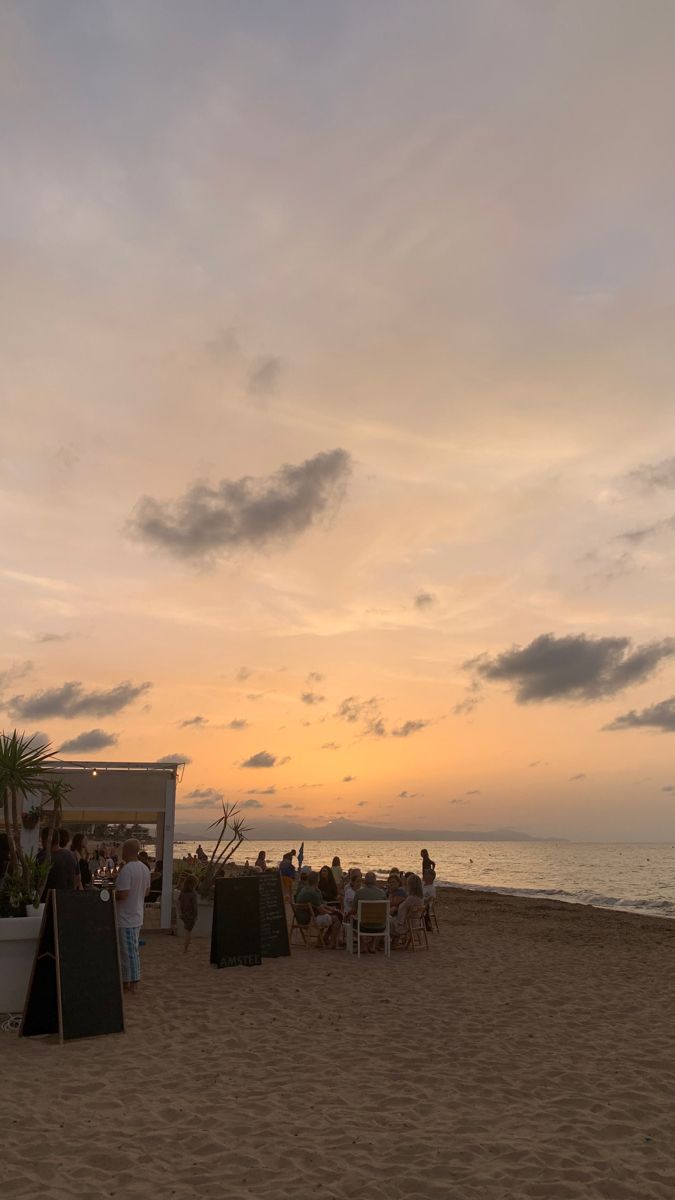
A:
(338, 437)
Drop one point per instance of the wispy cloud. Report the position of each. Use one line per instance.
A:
(408, 728)
(268, 791)
(264, 375)
(263, 759)
(312, 698)
(424, 600)
(659, 716)
(175, 758)
(195, 722)
(237, 723)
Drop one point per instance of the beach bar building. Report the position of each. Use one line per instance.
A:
(129, 792)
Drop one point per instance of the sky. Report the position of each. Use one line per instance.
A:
(337, 453)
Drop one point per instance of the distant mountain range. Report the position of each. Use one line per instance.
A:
(342, 830)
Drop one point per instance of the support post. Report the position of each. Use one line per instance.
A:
(167, 852)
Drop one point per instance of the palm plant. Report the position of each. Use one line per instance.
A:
(234, 823)
(23, 762)
(56, 791)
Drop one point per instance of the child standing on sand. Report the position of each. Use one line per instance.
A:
(188, 907)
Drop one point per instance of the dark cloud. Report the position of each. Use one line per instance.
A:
(348, 778)
(269, 791)
(264, 375)
(538, 762)
(657, 716)
(424, 600)
(668, 788)
(361, 804)
(315, 677)
(196, 722)
(655, 475)
(580, 775)
(408, 728)
(460, 800)
(91, 739)
(408, 795)
(207, 522)
(251, 804)
(52, 637)
(331, 746)
(281, 806)
(70, 700)
(175, 758)
(203, 796)
(237, 723)
(473, 792)
(264, 759)
(575, 667)
(352, 709)
(312, 698)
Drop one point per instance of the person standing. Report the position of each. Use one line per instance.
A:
(427, 863)
(188, 907)
(131, 888)
(64, 875)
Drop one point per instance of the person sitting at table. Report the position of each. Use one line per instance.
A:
(303, 876)
(327, 886)
(395, 892)
(328, 919)
(286, 868)
(369, 891)
(351, 887)
(412, 906)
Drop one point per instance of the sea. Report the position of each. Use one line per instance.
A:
(633, 877)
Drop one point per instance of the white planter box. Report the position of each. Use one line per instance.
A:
(18, 939)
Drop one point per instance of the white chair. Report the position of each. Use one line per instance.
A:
(374, 914)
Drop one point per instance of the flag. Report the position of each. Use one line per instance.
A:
(301, 855)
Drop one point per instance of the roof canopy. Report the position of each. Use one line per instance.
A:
(117, 791)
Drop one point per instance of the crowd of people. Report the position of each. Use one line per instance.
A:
(330, 897)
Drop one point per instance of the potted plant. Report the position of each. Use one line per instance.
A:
(30, 818)
(23, 762)
(206, 872)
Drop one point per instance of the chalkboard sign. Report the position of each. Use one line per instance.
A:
(76, 986)
(235, 933)
(273, 924)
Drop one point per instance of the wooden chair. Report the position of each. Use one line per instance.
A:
(416, 933)
(375, 915)
(431, 920)
(307, 928)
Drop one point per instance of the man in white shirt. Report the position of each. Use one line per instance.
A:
(131, 888)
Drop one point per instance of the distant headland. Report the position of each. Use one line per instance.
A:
(344, 830)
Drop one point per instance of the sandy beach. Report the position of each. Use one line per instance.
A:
(530, 1054)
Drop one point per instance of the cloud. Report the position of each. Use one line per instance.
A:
(70, 700)
(637, 536)
(269, 791)
(224, 347)
(311, 698)
(408, 728)
(657, 716)
(472, 698)
(175, 758)
(286, 806)
(352, 709)
(237, 723)
(408, 795)
(52, 637)
(655, 475)
(251, 804)
(668, 788)
(264, 375)
(575, 667)
(91, 739)
(361, 804)
(203, 797)
(264, 759)
(348, 778)
(197, 722)
(473, 792)
(254, 695)
(574, 778)
(330, 746)
(14, 672)
(424, 600)
(207, 521)
(243, 674)
(460, 800)
(315, 677)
